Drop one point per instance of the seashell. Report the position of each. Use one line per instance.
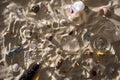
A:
(15, 67)
(105, 11)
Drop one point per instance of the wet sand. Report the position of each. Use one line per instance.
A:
(59, 46)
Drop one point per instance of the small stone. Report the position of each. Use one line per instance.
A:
(58, 62)
(77, 64)
(111, 70)
(27, 33)
(63, 22)
(71, 32)
(15, 67)
(35, 8)
(49, 36)
(93, 72)
(7, 33)
(32, 46)
(105, 11)
(88, 52)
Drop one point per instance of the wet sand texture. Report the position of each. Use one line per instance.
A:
(84, 46)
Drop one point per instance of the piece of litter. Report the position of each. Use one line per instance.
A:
(77, 7)
(86, 36)
(14, 51)
(100, 53)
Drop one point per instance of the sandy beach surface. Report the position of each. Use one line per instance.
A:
(66, 44)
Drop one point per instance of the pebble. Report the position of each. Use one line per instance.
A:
(7, 33)
(105, 11)
(49, 36)
(63, 22)
(15, 67)
(93, 72)
(71, 32)
(88, 52)
(32, 46)
(111, 70)
(35, 8)
(27, 33)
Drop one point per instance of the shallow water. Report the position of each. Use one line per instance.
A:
(46, 40)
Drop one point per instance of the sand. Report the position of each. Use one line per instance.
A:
(57, 40)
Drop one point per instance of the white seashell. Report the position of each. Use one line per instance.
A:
(15, 67)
